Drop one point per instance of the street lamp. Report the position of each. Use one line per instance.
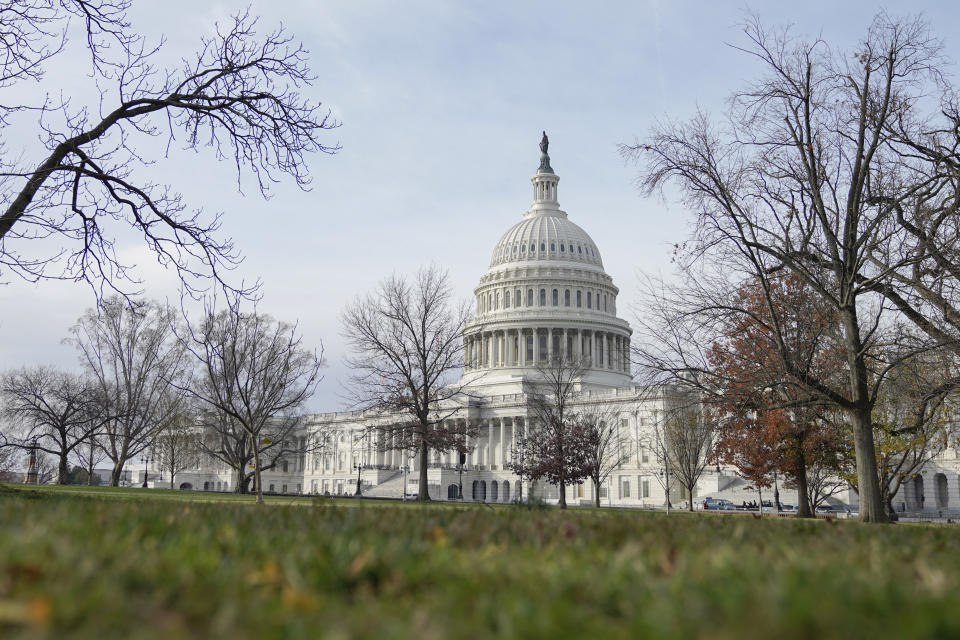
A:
(145, 460)
(404, 468)
(359, 468)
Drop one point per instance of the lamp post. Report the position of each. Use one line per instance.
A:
(145, 460)
(463, 460)
(359, 468)
(404, 468)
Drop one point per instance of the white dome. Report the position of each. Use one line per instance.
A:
(546, 236)
(546, 295)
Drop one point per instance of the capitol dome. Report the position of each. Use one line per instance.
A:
(546, 295)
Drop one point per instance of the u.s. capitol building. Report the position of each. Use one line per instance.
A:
(545, 294)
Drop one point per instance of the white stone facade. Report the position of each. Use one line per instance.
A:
(545, 293)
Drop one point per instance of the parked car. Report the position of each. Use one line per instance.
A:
(718, 504)
(834, 509)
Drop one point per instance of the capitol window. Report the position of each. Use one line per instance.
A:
(589, 300)
(566, 298)
(517, 298)
(506, 298)
(543, 297)
(556, 297)
(529, 297)
(561, 247)
(579, 249)
(579, 299)
(523, 249)
(553, 247)
(543, 246)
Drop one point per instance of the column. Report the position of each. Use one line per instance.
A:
(503, 443)
(576, 344)
(536, 345)
(550, 354)
(491, 426)
(475, 454)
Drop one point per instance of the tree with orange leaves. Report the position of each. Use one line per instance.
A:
(770, 422)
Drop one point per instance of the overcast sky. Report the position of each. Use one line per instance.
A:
(441, 105)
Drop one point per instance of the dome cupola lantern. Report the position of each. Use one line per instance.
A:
(545, 180)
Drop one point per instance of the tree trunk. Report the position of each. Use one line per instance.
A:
(760, 495)
(868, 481)
(116, 474)
(776, 493)
(596, 491)
(62, 470)
(690, 498)
(256, 470)
(423, 494)
(172, 483)
(891, 512)
(803, 496)
(90, 469)
(563, 493)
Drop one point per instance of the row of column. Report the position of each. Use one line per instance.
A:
(525, 347)
(492, 445)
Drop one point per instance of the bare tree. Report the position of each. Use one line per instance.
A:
(255, 373)
(556, 443)
(240, 95)
(806, 177)
(176, 448)
(682, 440)
(90, 453)
(129, 349)
(223, 438)
(55, 410)
(911, 418)
(605, 447)
(406, 340)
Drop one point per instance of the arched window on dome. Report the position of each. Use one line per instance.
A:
(589, 300)
(553, 246)
(529, 297)
(543, 297)
(556, 297)
(561, 248)
(496, 300)
(579, 299)
(506, 298)
(533, 247)
(571, 248)
(480, 303)
(579, 249)
(566, 298)
(517, 298)
(604, 302)
(523, 249)
(543, 246)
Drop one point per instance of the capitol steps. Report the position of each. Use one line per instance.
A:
(392, 487)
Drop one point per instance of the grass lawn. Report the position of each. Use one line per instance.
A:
(106, 563)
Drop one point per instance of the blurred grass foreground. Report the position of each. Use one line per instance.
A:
(101, 563)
